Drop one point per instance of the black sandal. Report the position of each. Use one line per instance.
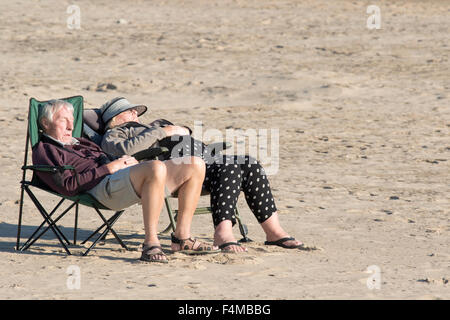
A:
(281, 241)
(151, 257)
(227, 244)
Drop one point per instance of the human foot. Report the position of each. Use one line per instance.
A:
(232, 246)
(153, 253)
(192, 246)
(224, 239)
(285, 242)
(275, 235)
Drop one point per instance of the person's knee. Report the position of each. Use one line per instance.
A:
(198, 165)
(252, 160)
(255, 165)
(156, 170)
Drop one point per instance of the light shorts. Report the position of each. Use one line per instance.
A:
(115, 191)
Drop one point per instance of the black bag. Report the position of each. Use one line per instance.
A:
(181, 146)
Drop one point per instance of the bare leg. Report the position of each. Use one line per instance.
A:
(148, 179)
(274, 231)
(186, 177)
(272, 228)
(223, 234)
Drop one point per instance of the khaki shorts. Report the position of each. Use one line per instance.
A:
(116, 191)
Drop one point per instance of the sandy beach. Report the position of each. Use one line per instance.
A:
(363, 116)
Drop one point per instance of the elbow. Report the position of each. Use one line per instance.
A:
(68, 189)
(115, 150)
(70, 193)
(118, 150)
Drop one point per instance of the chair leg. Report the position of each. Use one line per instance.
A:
(54, 223)
(49, 221)
(32, 239)
(111, 221)
(172, 225)
(19, 223)
(76, 225)
(108, 224)
(242, 228)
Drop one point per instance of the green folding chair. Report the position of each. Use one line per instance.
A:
(85, 199)
(173, 213)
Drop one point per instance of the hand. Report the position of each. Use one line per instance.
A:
(176, 130)
(121, 163)
(128, 161)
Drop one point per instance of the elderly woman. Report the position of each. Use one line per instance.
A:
(225, 178)
(118, 183)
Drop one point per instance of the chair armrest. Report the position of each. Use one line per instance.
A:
(150, 153)
(48, 168)
(51, 169)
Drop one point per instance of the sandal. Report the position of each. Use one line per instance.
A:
(225, 245)
(281, 242)
(149, 256)
(193, 246)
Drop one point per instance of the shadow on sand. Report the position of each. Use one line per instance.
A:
(48, 244)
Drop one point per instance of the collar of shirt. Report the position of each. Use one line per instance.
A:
(73, 142)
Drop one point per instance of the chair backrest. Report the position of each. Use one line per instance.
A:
(33, 117)
(34, 134)
(94, 128)
(34, 131)
(93, 125)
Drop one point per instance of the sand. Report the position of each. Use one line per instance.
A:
(364, 150)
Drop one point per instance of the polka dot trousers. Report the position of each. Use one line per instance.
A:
(226, 176)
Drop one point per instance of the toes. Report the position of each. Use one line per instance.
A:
(293, 243)
(236, 249)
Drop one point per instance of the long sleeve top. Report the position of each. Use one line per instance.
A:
(86, 157)
(130, 138)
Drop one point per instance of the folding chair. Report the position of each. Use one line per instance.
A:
(94, 128)
(27, 186)
(201, 210)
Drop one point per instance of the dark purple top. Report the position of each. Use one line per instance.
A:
(84, 157)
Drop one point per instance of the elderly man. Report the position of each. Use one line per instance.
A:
(226, 176)
(119, 183)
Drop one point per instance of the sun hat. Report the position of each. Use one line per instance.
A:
(118, 105)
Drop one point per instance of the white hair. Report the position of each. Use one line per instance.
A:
(52, 107)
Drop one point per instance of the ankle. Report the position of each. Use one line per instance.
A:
(151, 243)
(180, 235)
(151, 238)
(226, 226)
(223, 234)
(273, 236)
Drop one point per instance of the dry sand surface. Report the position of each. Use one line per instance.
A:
(364, 148)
